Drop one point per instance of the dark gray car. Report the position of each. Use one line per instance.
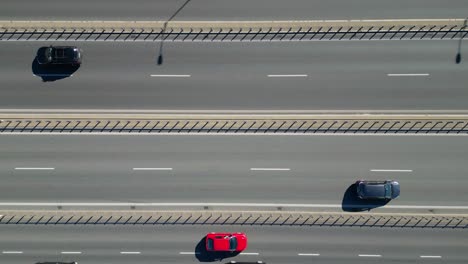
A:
(383, 190)
(59, 55)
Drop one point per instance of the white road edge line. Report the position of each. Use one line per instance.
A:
(379, 170)
(104, 204)
(152, 169)
(53, 75)
(12, 252)
(171, 75)
(189, 253)
(249, 253)
(270, 169)
(287, 75)
(70, 252)
(407, 74)
(430, 256)
(308, 254)
(130, 252)
(31, 168)
(369, 256)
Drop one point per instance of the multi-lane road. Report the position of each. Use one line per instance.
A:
(230, 169)
(230, 10)
(179, 244)
(343, 75)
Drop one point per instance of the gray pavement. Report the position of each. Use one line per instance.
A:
(338, 75)
(164, 244)
(228, 169)
(230, 10)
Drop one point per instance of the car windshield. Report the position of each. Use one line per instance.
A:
(210, 243)
(388, 190)
(48, 53)
(233, 243)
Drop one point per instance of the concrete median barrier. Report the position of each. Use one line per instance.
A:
(233, 30)
(252, 218)
(234, 124)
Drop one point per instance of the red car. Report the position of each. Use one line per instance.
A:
(233, 242)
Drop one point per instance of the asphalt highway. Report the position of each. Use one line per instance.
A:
(230, 169)
(178, 244)
(346, 75)
(229, 10)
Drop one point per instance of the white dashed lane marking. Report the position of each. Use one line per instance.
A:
(270, 169)
(369, 256)
(384, 170)
(34, 168)
(152, 169)
(12, 252)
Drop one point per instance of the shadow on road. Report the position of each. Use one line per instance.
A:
(206, 256)
(352, 203)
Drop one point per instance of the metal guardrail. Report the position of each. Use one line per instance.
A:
(237, 35)
(232, 218)
(228, 31)
(381, 125)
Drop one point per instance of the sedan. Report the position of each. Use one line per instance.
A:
(380, 190)
(233, 242)
(59, 55)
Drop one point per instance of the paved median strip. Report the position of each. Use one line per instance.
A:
(234, 124)
(229, 217)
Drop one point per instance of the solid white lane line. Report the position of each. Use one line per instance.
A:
(270, 169)
(407, 74)
(287, 75)
(130, 252)
(308, 254)
(430, 256)
(53, 75)
(71, 252)
(12, 252)
(171, 75)
(33, 168)
(189, 253)
(249, 253)
(379, 170)
(152, 169)
(370, 256)
(102, 204)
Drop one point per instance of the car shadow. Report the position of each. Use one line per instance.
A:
(352, 203)
(50, 73)
(207, 256)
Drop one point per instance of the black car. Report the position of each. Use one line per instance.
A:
(59, 55)
(383, 190)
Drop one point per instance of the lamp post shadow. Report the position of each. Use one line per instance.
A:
(160, 56)
(458, 57)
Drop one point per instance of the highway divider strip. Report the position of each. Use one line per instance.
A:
(209, 31)
(251, 218)
(234, 124)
